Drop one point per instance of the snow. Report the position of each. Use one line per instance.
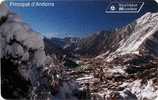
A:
(136, 39)
(145, 27)
(66, 46)
(149, 91)
(22, 33)
(123, 94)
(117, 69)
(102, 55)
(124, 84)
(78, 61)
(86, 77)
(135, 52)
(143, 91)
(156, 98)
(144, 18)
(111, 57)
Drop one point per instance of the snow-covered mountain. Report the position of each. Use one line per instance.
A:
(121, 64)
(133, 38)
(117, 65)
(136, 38)
(129, 64)
(145, 30)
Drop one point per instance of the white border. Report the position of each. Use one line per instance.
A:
(156, 1)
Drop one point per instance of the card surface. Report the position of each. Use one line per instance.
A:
(79, 49)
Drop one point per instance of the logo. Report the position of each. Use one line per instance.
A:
(117, 7)
(113, 7)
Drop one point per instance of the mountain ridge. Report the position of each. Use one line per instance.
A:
(121, 39)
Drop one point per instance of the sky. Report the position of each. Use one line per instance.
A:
(77, 18)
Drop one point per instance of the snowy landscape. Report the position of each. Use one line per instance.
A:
(108, 65)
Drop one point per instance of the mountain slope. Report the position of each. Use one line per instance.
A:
(27, 72)
(127, 65)
(128, 69)
(145, 27)
(138, 37)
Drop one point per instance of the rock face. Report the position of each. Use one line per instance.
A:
(22, 51)
(53, 47)
(27, 72)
